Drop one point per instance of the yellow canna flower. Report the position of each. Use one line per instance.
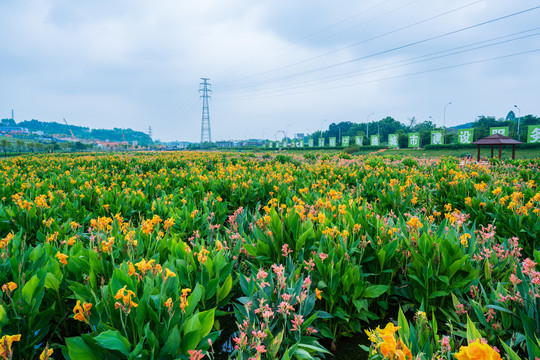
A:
(477, 350)
(5, 345)
(45, 354)
(169, 274)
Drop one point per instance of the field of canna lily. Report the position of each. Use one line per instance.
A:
(180, 255)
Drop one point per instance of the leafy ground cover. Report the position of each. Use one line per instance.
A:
(157, 256)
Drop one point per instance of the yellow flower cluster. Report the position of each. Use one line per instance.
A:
(477, 350)
(386, 343)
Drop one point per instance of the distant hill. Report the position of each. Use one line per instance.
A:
(81, 132)
(462, 126)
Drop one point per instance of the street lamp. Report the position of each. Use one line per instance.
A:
(287, 132)
(519, 121)
(339, 134)
(444, 121)
(367, 124)
(321, 125)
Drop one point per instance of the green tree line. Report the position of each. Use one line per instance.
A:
(389, 125)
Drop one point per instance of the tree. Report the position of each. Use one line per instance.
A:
(5, 145)
(511, 116)
(20, 144)
(8, 122)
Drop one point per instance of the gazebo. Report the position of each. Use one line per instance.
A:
(497, 139)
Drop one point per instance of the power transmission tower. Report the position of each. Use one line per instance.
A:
(12, 114)
(206, 134)
(150, 131)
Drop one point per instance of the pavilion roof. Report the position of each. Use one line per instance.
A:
(497, 139)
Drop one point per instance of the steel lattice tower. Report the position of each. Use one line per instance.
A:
(206, 134)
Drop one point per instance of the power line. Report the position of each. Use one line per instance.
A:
(364, 41)
(387, 50)
(279, 51)
(401, 63)
(397, 76)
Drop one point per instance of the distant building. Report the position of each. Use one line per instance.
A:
(13, 130)
(226, 144)
(299, 136)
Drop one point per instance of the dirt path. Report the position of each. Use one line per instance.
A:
(378, 151)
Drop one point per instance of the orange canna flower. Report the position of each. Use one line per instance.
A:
(202, 255)
(82, 313)
(168, 223)
(62, 258)
(415, 223)
(72, 240)
(318, 294)
(183, 299)
(126, 296)
(219, 245)
(144, 265)
(10, 286)
(131, 270)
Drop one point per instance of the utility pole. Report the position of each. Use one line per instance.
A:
(206, 134)
(444, 122)
(367, 124)
(519, 121)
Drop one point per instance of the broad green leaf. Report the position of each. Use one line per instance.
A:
(374, 291)
(404, 324)
(225, 289)
(3, 316)
(276, 343)
(190, 340)
(78, 349)
(30, 288)
(509, 352)
(206, 319)
(472, 332)
(113, 340)
(172, 343)
(51, 282)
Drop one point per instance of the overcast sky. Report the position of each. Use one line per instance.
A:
(273, 64)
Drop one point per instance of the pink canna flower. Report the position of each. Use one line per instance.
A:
(195, 354)
(297, 322)
(285, 250)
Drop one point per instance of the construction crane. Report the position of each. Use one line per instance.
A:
(73, 136)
